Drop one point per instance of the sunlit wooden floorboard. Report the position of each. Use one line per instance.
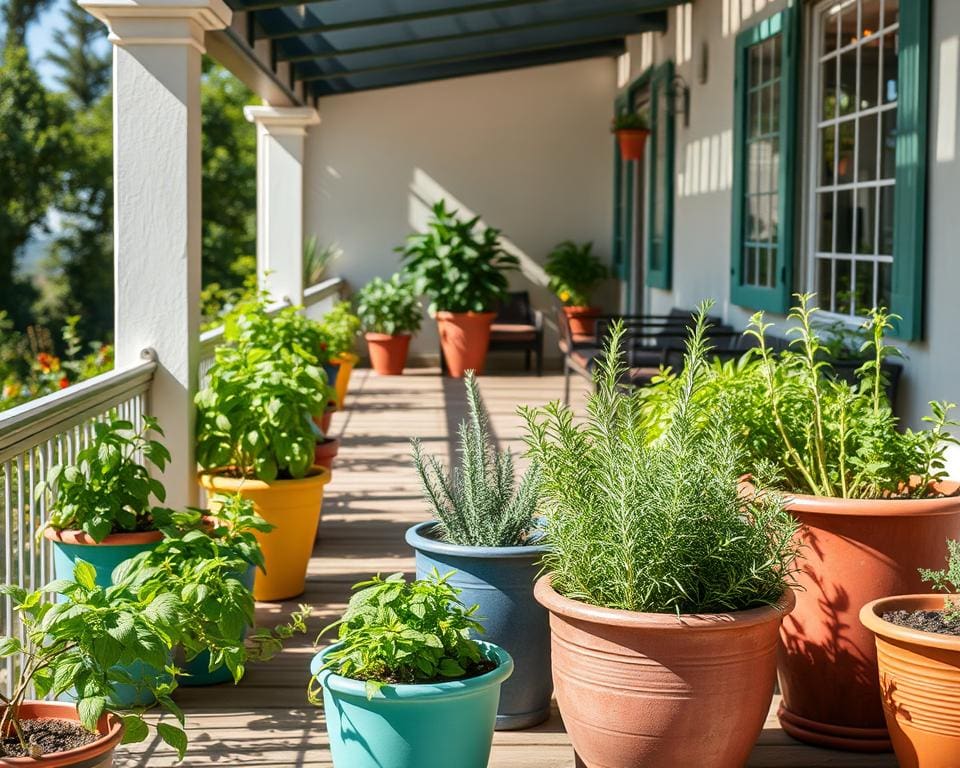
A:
(266, 720)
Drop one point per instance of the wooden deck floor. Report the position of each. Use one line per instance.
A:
(373, 498)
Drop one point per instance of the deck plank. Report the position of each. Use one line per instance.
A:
(373, 498)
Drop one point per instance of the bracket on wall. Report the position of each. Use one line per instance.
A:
(679, 93)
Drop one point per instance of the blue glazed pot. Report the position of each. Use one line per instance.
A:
(438, 725)
(500, 580)
(198, 668)
(70, 546)
(332, 370)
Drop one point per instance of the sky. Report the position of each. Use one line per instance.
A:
(40, 38)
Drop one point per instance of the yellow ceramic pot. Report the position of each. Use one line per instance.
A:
(293, 508)
(346, 361)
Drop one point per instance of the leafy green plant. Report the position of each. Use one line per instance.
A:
(479, 504)
(80, 645)
(458, 267)
(317, 259)
(254, 416)
(395, 631)
(947, 580)
(203, 560)
(108, 488)
(627, 120)
(389, 306)
(574, 272)
(656, 523)
(339, 329)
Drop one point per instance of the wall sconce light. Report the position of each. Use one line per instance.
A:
(680, 98)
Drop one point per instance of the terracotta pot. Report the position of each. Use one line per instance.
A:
(855, 551)
(465, 338)
(388, 354)
(293, 508)
(326, 452)
(325, 421)
(649, 689)
(920, 683)
(633, 143)
(98, 754)
(582, 320)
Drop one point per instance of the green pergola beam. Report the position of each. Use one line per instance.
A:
(657, 23)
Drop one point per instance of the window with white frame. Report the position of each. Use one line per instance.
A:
(854, 135)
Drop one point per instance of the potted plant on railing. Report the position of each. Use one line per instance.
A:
(390, 314)
(666, 587)
(79, 647)
(256, 437)
(485, 531)
(413, 690)
(574, 273)
(632, 130)
(339, 329)
(462, 271)
(918, 648)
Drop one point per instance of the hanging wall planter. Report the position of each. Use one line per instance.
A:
(633, 143)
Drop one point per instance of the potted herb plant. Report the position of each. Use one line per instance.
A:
(918, 648)
(256, 437)
(666, 587)
(484, 531)
(461, 268)
(413, 690)
(339, 329)
(80, 646)
(390, 314)
(574, 272)
(632, 130)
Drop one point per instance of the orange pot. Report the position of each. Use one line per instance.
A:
(388, 354)
(293, 508)
(855, 551)
(346, 361)
(582, 320)
(465, 338)
(326, 451)
(633, 143)
(98, 754)
(325, 421)
(920, 680)
(650, 689)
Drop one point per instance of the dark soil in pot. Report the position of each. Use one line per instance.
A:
(50, 734)
(925, 621)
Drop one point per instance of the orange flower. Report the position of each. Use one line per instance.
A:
(64, 382)
(48, 363)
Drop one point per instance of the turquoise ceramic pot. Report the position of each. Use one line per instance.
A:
(70, 546)
(441, 725)
(198, 668)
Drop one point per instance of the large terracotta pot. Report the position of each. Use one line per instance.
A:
(633, 143)
(293, 508)
(854, 551)
(920, 681)
(98, 754)
(465, 338)
(388, 354)
(582, 320)
(650, 689)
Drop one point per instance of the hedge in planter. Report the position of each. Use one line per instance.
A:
(657, 568)
(485, 532)
(574, 273)
(873, 503)
(256, 437)
(461, 268)
(390, 314)
(405, 686)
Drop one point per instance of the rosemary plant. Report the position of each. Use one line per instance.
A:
(479, 503)
(947, 580)
(654, 522)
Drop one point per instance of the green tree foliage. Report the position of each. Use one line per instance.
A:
(82, 57)
(17, 15)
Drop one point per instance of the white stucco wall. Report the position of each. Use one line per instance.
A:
(529, 150)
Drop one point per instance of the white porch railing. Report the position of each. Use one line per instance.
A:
(35, 436)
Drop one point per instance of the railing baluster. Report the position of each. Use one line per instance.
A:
(8, 558)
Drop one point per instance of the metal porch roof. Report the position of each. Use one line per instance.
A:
(342, 46)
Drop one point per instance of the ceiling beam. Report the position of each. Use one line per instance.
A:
(656, 21)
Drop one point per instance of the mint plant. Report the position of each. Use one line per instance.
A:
(628, 120)
(389, 306)
(947, 580)
(78, 646)
(395, 631)
(460, 267)
(339, 329)
(574, 272)
(480, 503)
(108, 488)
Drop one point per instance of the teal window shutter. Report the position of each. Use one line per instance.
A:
(764, 162)
(660, 166)
(911, 169)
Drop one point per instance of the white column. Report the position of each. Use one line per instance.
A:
(157, 48)
(280, 139)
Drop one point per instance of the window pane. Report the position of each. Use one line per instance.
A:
(774, 43)
(754, 167)
(828, 89)
(848, 24)
(867, 149)
(869, 17)
(825, 222)
(844, 242)
(774, 218)
(774, 109)
(884, 270)
(753, 62)
(765, 268)
(828, 41)
(773, 165)
(869, 74)
(890, 47)
(755, 114)
(827, 135)
(845, 157)
(847, 95)
(866, 220)
(891, 12)
(863, 287)
(888, 135)
(842, 286)
(750, 266)
(886, 220)
(824, 284)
